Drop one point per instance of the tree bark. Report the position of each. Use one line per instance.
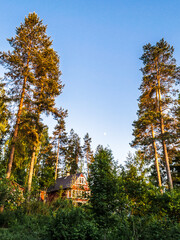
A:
(33, 155)
(31, 169)
(170, 182)
(57, 159)
(156, 158)
(87, 158)
(1, 208)
(14, 139)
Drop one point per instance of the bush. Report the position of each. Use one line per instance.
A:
(11, 196)
(72, 224)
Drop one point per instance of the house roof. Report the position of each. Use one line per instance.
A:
(64, 182)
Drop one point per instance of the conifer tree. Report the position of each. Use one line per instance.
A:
(33, 71)
(159, 76)
(48, 86)
(87, 151)
(45, 163)
(73, 153)
(104, 186)
(28, 135)
(144, 130)
(59, 135)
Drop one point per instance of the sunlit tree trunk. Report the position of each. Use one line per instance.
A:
(31, 169)
(87, 157)
(57, 159)
(170, 183)
(14, 139)
(156, 158)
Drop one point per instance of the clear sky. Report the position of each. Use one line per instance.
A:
(99, 43)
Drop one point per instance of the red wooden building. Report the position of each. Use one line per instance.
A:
(74, 187)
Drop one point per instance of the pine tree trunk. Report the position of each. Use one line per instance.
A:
(14, 139)
(57, 158)
(1, 208)
(87, 157)
(156, 158)
(31, 169)
(170, 183)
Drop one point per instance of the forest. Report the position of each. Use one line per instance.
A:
(139, 200)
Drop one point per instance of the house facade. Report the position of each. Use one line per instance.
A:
(74, 187)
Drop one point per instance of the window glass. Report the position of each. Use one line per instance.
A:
(82, 180)
(74, 193)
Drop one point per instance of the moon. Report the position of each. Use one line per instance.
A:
(105, 133)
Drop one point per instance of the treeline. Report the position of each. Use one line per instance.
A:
(123, 205)
(28, 90)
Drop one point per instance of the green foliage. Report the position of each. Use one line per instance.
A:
(166, 204)
(88, 153)
(73, 153)
(175, 168)
(45, 165)
(25, 227)
(143, 198)
(76, 223)
(11, 195)
(4, 115)
(157, 229)
(104, 187)
(72, 224)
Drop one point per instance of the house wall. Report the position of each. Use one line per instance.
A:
(78, 192)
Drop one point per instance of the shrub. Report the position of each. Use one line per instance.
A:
(72, 224)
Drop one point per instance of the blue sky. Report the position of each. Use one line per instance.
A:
(99, 44)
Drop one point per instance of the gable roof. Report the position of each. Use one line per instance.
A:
(64, 182)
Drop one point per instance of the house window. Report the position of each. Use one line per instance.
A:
(80, 193)
(73, 193)
(81, 180)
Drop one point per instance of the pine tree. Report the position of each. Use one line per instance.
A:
(146, 125)
(28, 135)
(104, 186)
(45, 163)
(73, 153)
(33, 71)
(59, 134)
(88, 152)
(159, 76)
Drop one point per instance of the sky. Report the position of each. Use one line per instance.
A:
(99, 43)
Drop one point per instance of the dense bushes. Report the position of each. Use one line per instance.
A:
(77, 223)
(122, 206)
(72, 224)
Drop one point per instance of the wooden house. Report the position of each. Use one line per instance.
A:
(74, 187)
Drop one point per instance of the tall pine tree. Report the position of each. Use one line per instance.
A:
(33, 71)
(159, 77)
